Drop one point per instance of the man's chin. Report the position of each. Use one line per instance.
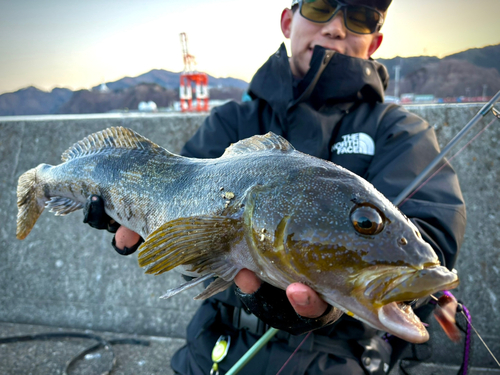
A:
(299, 68)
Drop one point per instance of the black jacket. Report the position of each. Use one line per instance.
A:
(336, 112)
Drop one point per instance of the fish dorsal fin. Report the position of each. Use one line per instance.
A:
(117, 138)
(267, 142)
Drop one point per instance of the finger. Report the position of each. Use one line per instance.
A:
(94, 214)
(445, 313)
(125, 237)
(247, 281)
(305, 301)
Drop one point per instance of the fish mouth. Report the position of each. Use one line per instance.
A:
(390, 293)
(399, 319)
(398, 316)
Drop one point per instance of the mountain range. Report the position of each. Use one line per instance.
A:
(460, 74)
(170, 80)
(469, 73)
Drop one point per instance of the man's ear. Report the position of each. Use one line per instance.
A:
(286, 22)
(376, 42)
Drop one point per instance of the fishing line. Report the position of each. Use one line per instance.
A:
(295, 351)
(446, 162)
(466, 315)
(480, 338)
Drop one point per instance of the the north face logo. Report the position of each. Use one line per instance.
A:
(357, 143)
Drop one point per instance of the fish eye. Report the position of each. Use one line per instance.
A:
(367, 220)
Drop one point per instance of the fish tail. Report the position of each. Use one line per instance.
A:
(30, 202)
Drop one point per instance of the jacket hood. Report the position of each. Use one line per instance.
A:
(343, 79)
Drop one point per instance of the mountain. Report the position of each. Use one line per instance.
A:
(407, 64)
(32, 101)
(96, 101)
(459, 74)
(486, 57)
(170, 80)
(450, 78)
(467, 73)
(160, 86)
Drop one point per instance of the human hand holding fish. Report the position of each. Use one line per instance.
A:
(126, 238)
(263, 206)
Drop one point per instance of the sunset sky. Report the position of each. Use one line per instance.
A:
(79, 44)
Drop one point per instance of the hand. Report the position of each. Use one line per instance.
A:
(94, 214)
(124, 237)
(303, 299)
(125, 241)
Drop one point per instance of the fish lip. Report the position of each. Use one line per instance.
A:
(402, 322)
(420, 283)
(398, 318)
(384, 288)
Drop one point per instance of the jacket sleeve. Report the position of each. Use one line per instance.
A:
(405, 144)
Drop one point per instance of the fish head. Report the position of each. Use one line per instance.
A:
(343, 238)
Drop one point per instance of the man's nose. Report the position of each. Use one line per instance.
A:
(335, 28)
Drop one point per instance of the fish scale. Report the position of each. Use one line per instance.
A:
(287, 216)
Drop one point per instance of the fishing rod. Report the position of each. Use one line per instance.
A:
(397, 201)
(418, 180)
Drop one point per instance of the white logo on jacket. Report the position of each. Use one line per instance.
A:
(357, 143)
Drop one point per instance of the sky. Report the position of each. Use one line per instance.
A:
(80, 44)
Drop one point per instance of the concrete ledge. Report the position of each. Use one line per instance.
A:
(51, 356)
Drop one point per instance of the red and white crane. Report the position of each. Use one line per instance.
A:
(189, 76)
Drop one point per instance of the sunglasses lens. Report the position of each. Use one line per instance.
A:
(361, 20)
(358, 19)
(317, 10)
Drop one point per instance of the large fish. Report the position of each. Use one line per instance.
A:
(264, 206)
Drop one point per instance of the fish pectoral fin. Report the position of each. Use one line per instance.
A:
(62, 206)
(195, 281)
(203, 242)
(216, 286)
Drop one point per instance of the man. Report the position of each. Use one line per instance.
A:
(327, 100)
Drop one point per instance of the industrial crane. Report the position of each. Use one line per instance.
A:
(189, 76)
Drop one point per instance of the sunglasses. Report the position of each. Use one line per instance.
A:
(359, 19)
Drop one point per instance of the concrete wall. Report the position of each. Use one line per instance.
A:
(65, 274)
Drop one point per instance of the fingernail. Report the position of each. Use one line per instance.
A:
(300, 298)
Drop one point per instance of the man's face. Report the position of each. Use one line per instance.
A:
(305, 34)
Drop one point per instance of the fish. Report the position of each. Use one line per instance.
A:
(263, 206)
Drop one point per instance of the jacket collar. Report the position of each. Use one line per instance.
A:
(341, 79)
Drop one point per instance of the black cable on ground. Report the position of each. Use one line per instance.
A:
(101, 343)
